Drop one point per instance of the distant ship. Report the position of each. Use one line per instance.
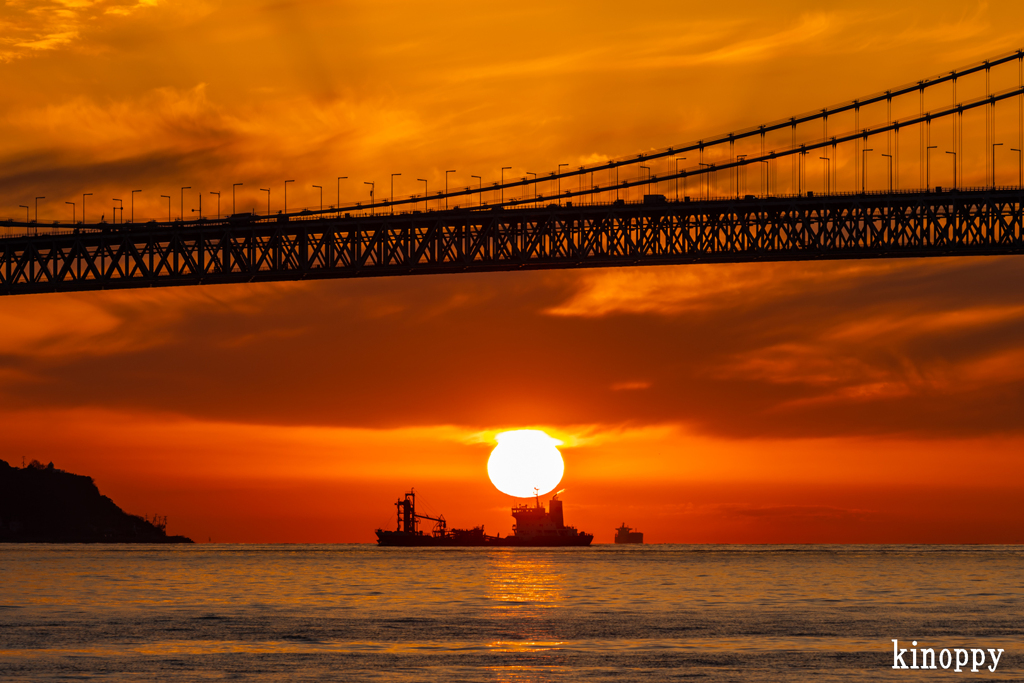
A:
(534, 526)
(625, 534)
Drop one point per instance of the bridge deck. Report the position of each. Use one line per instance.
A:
(951, 223)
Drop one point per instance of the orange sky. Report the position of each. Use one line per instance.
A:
(854, 401)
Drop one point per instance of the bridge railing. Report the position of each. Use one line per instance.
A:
(18, 230)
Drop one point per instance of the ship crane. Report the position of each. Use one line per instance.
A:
(440, 527)
(408, 518)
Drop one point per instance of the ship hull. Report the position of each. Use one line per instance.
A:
(567, 541)
(403, 539)
(633, 538)
(408, 540)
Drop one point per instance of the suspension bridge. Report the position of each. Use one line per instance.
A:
(861, 179)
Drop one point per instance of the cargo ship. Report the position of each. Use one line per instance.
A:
(534, 527)
(625, 534)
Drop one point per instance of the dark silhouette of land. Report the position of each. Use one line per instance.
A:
(42, 504)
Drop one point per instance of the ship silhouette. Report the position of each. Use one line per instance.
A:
(534, 527)
(625, 534)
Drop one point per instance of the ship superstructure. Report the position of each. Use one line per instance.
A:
(625, 534)
(534, 526)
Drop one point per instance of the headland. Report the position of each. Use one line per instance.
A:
(42, 504)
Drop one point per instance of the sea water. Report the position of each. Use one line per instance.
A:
(617, 613)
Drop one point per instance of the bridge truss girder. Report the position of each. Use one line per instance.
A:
(775, 229)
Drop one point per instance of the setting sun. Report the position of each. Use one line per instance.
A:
(525, 462)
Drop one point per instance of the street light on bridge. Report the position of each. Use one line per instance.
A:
(115, 211)
(446, 188)
(503, 169)
(560, 182)
(425, 192)
(26, 212)
(233, 196)
(72, 212)
(393, 192)
(890, 171)
(321, 197)
(1020, 167)
(340, 178)
(133, 206)
(218, 204)
(372, 187)
(267, 190)
(37, 208)
(181, 212)
(706, 179)
(166, 196)
(954, 169)
(286, 194)
(827, 176)
(534, 183)
(480, 189)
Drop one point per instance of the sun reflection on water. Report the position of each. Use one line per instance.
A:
(518, 581)
(521, 674)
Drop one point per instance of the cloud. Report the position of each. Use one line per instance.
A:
(799, 512)
(630, 386)
(809, 28)
(158, 129)
(50, 42)
(671, 291)
(838, 373)
(241, 451)
(43, 25)
(75, 326)
(667, 45)
(971, 25)
(815, 352)
(129, 126)
(890, 326)
(166, 135)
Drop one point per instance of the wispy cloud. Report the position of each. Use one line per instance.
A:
(735, 46)
(631, 386)
(798, 512)
(832, 364)
(669, 291)
(32, 26)
(115, 322)
(184, 137)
